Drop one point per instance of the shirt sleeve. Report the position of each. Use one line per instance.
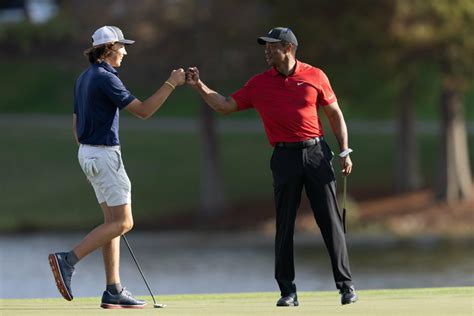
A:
(243, 96)
(326, 95)
(116, 91)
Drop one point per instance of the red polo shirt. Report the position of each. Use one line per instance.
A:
(289, 105)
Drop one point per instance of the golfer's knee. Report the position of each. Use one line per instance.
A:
(123, 219)
(126, 225)
(123, 226)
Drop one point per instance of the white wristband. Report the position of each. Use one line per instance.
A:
(345, 153)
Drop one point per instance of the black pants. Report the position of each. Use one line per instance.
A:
(309, 167)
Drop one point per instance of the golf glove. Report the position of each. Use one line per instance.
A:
(90, 169)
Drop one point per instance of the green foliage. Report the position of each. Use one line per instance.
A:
(368, 49)
(378, 47)
(26, 38)
(442, 31)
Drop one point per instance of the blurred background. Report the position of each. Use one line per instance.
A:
(403, 72)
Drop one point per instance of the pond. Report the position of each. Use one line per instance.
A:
(186, 263)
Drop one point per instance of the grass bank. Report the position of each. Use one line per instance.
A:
(429, 301)
(43, 187)
(42, 86)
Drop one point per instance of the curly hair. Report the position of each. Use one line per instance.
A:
(97, 54)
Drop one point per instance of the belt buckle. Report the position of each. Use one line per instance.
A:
(309, 142)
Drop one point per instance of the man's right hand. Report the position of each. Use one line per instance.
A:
(215, 100)
(177, 77)
(192, 76)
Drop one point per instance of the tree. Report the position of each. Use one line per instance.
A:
(442, 32)
(220, 61)
(407, 164)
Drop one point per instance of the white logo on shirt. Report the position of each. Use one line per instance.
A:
(299, 83)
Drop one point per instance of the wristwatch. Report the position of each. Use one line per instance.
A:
(345, 153)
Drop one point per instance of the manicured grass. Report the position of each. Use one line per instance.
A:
(43, 186)
(42, 86)
(39, 86)
(36, 86)
(429, 301)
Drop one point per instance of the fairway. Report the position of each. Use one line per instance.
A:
(429, 301)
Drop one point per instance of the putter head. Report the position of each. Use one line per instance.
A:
(157, 305)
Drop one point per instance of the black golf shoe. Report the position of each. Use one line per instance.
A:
(62, 272)
(122, 300)
(348, 295)
(288, 300)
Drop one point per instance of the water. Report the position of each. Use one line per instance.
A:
(176, 263)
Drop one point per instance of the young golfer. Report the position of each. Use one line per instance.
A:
(99, 95)
(287, 98)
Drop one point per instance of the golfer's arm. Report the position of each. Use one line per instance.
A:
(74, 124)
(221, 104)
(148, 107)
(338, 124)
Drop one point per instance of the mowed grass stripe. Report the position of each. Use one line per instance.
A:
(426, 301)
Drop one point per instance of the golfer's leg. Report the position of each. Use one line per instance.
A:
(111, 251)
(327, 216)
(122, 222)
(321, 190)
(287, 182)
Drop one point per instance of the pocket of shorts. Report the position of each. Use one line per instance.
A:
(114, 160)
(119, 158)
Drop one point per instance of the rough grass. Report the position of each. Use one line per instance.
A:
(428, 301)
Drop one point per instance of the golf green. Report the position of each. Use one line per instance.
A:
(428, 301)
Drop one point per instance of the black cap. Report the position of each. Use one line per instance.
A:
(278, 34)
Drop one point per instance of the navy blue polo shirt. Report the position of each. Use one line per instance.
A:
(99, 94)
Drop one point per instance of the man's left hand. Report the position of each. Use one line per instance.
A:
(346, 164)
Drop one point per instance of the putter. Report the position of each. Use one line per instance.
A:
(344, 204)
(155, 304)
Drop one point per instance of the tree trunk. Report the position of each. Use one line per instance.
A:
(454, 181)
(212, 197)
(407, 177)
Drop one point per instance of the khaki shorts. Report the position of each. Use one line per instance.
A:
(111, 183)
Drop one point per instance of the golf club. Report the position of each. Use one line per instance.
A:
(344, 204)
(155, 304)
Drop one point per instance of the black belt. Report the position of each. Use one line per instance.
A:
(302, 144)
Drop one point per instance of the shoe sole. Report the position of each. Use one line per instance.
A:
(350, 302)
(53, 262)
(117, 306)
(288, 305)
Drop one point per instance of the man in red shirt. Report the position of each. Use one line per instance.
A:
(287, 98)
